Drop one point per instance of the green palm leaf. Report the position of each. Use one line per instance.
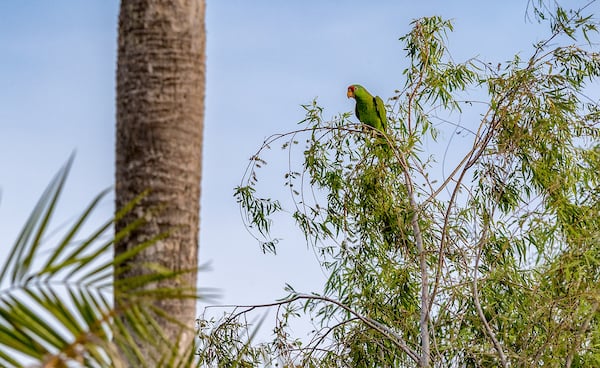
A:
(56, 299)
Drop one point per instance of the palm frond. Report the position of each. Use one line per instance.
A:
(56, 299)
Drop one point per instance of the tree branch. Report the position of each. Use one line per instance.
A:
(584, 327)
(424, 317)
(393, 336)
(486, 325)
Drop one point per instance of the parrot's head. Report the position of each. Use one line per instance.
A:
(352, 90)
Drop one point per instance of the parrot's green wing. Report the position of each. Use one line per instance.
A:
(357, 113)
(380, 109)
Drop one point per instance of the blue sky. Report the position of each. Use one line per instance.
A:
(264, 59)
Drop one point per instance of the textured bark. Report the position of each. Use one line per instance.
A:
(160, 113)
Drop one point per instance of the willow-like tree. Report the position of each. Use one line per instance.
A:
(493, 262)
(160, 112)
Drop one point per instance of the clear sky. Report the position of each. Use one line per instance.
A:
(264, 59)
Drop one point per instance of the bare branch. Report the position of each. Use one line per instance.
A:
(393, 336)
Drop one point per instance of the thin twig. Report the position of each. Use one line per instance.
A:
(393, 336)
(582, 330)
(486, 325)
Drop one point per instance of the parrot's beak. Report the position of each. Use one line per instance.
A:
(350, 93)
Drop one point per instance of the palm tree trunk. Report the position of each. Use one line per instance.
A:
(160, 116)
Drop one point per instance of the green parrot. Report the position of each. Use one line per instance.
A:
(369, 110)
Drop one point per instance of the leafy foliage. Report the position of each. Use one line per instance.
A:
(496, 264)
(56, 305)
